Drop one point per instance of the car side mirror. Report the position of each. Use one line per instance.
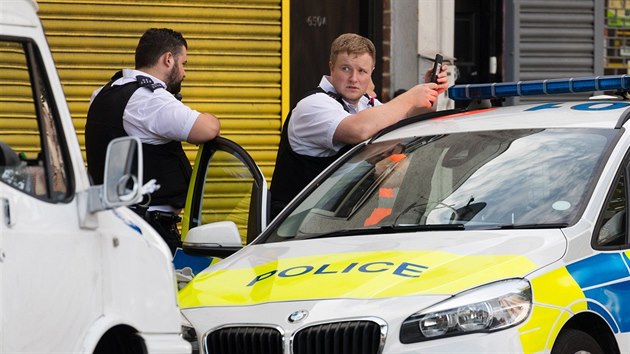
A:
(218, 239)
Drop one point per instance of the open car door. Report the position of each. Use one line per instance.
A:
(226, 185)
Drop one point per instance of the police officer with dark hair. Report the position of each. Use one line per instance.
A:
(144, 103)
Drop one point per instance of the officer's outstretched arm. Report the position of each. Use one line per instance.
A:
(363, 125)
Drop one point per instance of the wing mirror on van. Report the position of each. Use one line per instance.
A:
(123, 174)
(218, 239)
(122, 177)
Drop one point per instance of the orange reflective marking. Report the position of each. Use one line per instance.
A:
(396, 157)
(467, 113)
(386, 192)
(377, 215)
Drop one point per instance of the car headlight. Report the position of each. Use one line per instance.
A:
(488, 308)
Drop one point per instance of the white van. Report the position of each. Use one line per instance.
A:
(79, 273)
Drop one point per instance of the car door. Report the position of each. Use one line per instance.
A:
(227, 185)
(609, 275)
(50, 290)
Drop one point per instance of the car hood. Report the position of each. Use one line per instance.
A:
(372, 266)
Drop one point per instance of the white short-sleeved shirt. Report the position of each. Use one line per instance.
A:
(156, 117)
(314, 121)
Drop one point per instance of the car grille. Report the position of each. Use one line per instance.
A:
(351, 337)
(348, 337)
(241, 340)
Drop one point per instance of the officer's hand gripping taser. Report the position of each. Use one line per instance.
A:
(437, 67)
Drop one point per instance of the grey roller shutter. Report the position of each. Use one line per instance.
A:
(553, 39)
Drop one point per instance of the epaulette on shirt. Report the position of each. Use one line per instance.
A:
(144, 81)
(335, 96)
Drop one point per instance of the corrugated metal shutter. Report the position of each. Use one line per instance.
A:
(548, 39)
(234, 60)
(18, 118)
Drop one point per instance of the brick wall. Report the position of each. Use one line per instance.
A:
(387, 27)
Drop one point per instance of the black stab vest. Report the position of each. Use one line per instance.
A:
(167, 163)
(294, 171)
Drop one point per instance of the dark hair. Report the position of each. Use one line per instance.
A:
(155, 42)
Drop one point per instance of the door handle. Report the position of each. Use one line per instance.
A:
(6, 212)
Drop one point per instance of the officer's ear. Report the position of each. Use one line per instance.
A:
(168, 59)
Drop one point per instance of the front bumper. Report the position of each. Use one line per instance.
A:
(334, 321)
(165, 343)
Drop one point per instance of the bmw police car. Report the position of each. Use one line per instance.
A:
(478, 230)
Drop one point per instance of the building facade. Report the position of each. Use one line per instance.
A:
(251, 60)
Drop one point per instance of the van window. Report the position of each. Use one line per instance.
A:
(33, 154)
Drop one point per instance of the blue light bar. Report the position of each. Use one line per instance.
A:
(539, 87)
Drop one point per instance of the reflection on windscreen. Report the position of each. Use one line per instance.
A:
(479, 180)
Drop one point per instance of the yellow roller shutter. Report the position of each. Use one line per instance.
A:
(234, 65)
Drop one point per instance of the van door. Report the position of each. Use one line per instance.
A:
(227, 185)
(50, 290)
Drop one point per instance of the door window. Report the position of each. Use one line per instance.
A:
(228, 187)
(33, 157)
(612, 232)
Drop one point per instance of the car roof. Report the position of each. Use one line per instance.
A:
(603, 111)
(576, 114)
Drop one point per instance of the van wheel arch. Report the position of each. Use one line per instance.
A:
(592, 325)
(121, 339)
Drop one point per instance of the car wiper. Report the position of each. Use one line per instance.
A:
(424, 227)
(387, 229)
(342, 232)
(558, 225)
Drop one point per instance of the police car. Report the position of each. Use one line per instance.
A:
(477, 230)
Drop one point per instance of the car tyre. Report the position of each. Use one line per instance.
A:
(574, 341)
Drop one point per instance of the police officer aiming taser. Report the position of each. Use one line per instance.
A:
(143, 103)
(340, 113)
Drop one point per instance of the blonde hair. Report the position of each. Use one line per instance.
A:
(351, 43)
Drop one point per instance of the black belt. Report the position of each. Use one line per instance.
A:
(162, 217)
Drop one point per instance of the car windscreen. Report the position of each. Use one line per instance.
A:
(532, 178)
